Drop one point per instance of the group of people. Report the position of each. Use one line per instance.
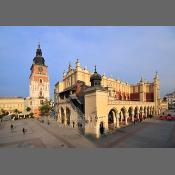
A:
(137, 120)
(23, 129)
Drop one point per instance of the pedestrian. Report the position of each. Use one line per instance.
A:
(73, 124)
(11, 126)
(140, 119)
(23, 130)
(134, 121)
(48, 122)
(102, 128)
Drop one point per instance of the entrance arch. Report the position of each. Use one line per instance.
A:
(111, 117)
(123, 115)
(136, 113)
(102, 128)
(62, 116)
(68, 113)
(130, 112)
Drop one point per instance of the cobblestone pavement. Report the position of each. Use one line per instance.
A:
(151, 133)
(41, 135)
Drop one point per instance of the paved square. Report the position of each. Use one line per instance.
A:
(152, 133)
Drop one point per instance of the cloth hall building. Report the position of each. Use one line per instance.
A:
(97, 104)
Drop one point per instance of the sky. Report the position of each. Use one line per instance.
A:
(123, 52)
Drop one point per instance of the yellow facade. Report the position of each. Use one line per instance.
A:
(116, 86)
(113, 104)
(11, 103)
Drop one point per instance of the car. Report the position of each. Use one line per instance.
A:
(171, 118)
(163, 117)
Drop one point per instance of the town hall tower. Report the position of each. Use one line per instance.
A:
(39, 82)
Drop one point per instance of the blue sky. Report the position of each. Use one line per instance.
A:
(126, 53)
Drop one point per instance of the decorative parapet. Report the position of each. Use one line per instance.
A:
(112, 101)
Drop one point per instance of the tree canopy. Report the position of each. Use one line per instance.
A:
(45, 107)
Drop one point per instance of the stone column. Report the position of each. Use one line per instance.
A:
(145, 113)
(114, 118)
(65, 119)
(148, 112)
(137, 115)
(117, 118)
(126, 118)
(132, 116)
(121, 114)
(141, 115)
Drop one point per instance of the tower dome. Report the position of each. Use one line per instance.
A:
(38, 58)
(95, 78)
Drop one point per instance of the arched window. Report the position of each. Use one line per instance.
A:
(40, 80)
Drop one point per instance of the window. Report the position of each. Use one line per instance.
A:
(40, 80)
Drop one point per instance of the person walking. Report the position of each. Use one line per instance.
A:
(134, 121)
(11, 126)
(73, 124)
(102, 128)
(23, 130)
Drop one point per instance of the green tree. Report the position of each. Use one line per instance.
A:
(45, 108)
(28, 109)
(3, 111)
(16, 111)
(165, 99)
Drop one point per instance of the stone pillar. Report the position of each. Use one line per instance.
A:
(126, 118)
(146, 114)
(137, 114)
(121, 114)
(141, 114)
(132, 116)
(117, 118)
(114, 118)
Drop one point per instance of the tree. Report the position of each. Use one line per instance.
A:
(3, 111)
(28, 109)
(45, 108)
(16, 111)
(6, 113)
(165, 99)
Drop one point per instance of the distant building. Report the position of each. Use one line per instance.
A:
(171, 100)
(39, 88)
(11, 103)
(90, 101)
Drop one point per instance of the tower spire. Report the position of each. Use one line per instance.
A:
(95, 69)
(156, 75)
(38, 50)
(38, 45)
(141, 79)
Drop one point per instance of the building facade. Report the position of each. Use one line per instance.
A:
(39, 88)
(90, 101)
(12, 103)
(171, 100)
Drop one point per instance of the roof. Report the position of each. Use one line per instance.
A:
(11, 97)
(73, 87)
